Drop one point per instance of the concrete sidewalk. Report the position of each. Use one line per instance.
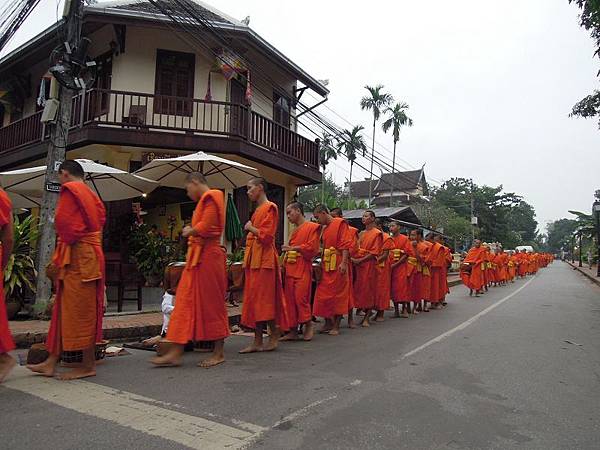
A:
(586, 271)
(123, 327)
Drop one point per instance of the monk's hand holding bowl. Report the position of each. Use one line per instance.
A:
(286, 248)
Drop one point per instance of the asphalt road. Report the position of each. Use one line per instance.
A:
(516, 368)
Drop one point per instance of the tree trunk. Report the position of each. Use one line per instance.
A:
(393, 171)
(372, 160)
(350, 184)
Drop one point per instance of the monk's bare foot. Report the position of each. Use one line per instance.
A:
(214, 360)
(166, 361)
(45, 369)
(152, 341)
(351, 325)
(252, 348)
(365, 323)
(325, 330)
(309, 332)
(77, 374)
(289, 337)
(7, 362)
(334, 332)
(271, 344)
(405, 315)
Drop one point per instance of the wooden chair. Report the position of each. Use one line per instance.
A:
(125, 277)
(137, 115)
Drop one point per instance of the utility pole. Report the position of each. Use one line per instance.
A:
(473, 218)
(56, 154)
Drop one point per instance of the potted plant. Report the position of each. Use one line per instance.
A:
(20, 273)
(152, 258)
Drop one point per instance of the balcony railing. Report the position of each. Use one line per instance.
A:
(157, 113)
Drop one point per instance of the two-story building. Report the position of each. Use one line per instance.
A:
(166, 85)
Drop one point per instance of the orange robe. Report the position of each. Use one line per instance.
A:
(448, 254)
(263, 290)
(333, 291)
(200, 313)
(298, 272)
(399, 273)
(438, 273)
(365, 283)
(79, 262)
(512, 267)
(523, 264)
(384, 276)
(6, 340)
(502, 261)
(354, 253)
(420, 273)
(476, 259)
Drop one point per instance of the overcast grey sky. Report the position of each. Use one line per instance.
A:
(490, 84)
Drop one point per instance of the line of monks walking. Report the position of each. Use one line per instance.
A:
(484, 266)
(359, 273)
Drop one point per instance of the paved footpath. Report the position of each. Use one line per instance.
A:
(517, 368)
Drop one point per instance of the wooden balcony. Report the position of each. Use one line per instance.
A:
(165, 121)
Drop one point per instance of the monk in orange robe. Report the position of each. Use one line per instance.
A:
(473, 277)
(512, 265)
(398, 258)
(200, 313)
(264, 302)
(523, 264)
(502, 262)
(384, 274)
(365, 285)
(7, 362)
(353, 253)
(303, 247)
(77, 269)
(418, 271)
(438, 264)
(333, 291)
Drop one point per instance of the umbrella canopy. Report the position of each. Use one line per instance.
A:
(233, 225)
(109, 183)
(20, 201)
(220, 173)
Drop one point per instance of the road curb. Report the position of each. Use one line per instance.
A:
(584, 273)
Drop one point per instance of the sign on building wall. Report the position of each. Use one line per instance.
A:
(147, 157)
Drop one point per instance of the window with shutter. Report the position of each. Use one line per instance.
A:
(174, 85)
(281, 109)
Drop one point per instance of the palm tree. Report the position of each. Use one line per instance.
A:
(350, 143)
(396, 119)
(375, 102)
(327, 152)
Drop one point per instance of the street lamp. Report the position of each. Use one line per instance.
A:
(596, 214)
(580, 249)
(573, 249)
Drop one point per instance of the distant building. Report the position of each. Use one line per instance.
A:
(405, 188)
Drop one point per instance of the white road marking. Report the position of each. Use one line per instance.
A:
(136, 412)
(302, 411)
(465, 324)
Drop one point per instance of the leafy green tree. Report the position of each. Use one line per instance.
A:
(375, 102)
(590, 20)
(328, 193)
(396, 119)
(351, 143)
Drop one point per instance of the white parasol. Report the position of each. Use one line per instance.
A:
(109, 183)
(220, 173)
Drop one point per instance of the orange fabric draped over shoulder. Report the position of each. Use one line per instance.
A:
(399, 283)
(365, 283)
(333, 291)
(353, 253)
(78, 308)
(476, 258)
(6, 341)
(263, 289)
(298, 272)
(384, 275)
(200, 313)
